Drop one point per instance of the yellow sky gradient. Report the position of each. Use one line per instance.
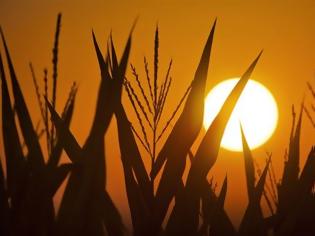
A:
(285, 29)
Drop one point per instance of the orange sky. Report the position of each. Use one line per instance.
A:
(285, 29)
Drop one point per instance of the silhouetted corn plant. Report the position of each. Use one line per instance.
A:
(31, 183)
(149, 106)
(86, 206)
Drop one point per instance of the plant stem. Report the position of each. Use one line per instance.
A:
(153, 147)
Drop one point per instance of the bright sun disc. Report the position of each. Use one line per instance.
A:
(256, 110)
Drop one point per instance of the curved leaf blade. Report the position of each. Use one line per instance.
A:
(176, 147)
(206, 155)
(29, 133)
(57, 150)
(249, 167)
(190, 121)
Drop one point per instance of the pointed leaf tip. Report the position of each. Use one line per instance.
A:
(215, 23)
(4, 41)
(114, 59)
(222, 195)
(134, 24)
(249, 165)
(261, 182)
(100, 58)
(241, 127)
(259, 55)
(1, 32)
(5, 47)
(212, 29)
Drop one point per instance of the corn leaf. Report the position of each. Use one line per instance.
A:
(307, 178)
(190, 121)
(104, 110)
(176, 148)
(4, 205)
(288, 187)
(219, 221)
(13, 152)
(26, 185)
(58, 175)
(57, 150)
(29, 134)
(112, 218)
(139, 208)
(222, 195)
(186, 213)
(253, 222)
(130, 153)
(94, 145)
(114, 56)
(139, 194)
(249, 166)
(300, 214)
(86, 183)
(70, 144)
(294, 152)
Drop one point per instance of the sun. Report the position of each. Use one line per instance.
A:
(256, 110)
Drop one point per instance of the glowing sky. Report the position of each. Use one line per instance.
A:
(285, 29)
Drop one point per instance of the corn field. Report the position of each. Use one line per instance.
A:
(86, 208)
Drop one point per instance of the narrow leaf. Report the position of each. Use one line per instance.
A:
(206, 156)
(70, 144)
(176, 147)
(307, 178)
(4, 205)
(57, 149)
(15, 162)
(29, 133)
(253, 222)
(221, 198)
(192, 115)
(112, 218)
(287, 189)
(249, 166)
(129, 152)
(58, 175)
